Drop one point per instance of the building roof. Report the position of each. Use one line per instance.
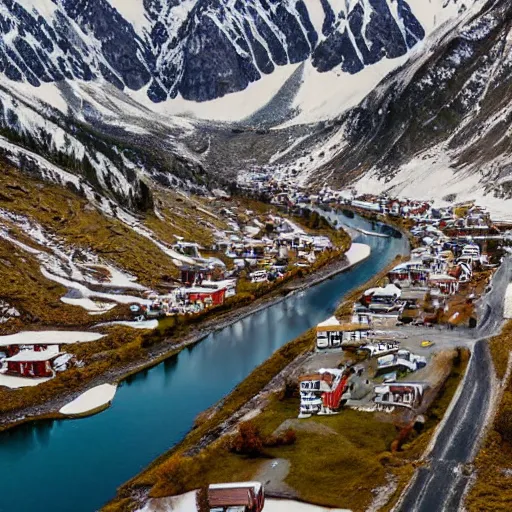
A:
(229, 495)
(441, 277)
(33, 356)
(345, 327)
(330, 322)
(387, 291)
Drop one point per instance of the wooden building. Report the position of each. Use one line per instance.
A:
(332, 333)
(31, 363)
(247, 496)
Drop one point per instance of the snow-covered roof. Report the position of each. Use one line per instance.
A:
(442, 277)
(32, 355)
(332, 321)
(387, 291)
(237, 485)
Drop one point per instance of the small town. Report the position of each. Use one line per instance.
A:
(389, 352)
(256, 256)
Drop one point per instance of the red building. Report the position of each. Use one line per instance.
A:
(247, 496)
(206, 295)
(31, 363)
(12, 350)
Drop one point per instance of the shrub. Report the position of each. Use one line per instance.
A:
(248, 440)
(504, 419)
(286, 438)
(177, 472)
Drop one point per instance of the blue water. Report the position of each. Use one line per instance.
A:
(76, 465)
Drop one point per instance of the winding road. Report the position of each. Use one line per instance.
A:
(440, 485)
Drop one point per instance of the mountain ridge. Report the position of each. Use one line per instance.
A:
(201, 49)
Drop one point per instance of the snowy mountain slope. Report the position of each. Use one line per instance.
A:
(119, 94)
(204, 49)
(439, 126)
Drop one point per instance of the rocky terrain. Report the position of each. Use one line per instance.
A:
(183, 92)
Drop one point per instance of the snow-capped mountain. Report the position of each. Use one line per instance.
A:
(186, 92)
(437, 127)
(202, 49)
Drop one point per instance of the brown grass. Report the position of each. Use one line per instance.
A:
(492, 490)
(65, 214)
(122, 345)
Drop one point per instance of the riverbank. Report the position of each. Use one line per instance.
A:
(206, 457)
(169, 347)
(205, 442)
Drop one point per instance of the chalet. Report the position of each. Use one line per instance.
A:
(191, 274)
(332, 333)
(208, 296)
(399, 394)
(228, 284)
(448, 285)
(239, 496)
(12, 350)
(382, 300)
(32, 363)
(408, 273)
(321, 393)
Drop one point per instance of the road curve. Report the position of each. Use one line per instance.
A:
(439, 486)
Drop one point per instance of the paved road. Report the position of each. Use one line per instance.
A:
(440, 485)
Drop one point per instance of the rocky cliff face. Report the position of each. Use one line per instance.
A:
(437, 127)
(116, 70)
(199, 49)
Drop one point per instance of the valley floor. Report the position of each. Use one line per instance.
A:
(161, 348)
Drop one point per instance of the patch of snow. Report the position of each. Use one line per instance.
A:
(134, 12)
(187, 503)
(87, 293)
(233, 107)
(89, 305)
(48, 93)
(357, 253)
(91, 400)
(339, 91)
(13, 382)
(49, 338)
(272, 505)
(146, 324)
(508, 302)
(45, 7)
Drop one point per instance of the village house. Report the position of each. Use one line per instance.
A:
(408, 273)
(447, 284)
(399, 394)
(207, 296)
(382, 300)
(236, 497)
(321, 393)
(32, 363)
(333, 334)
(401, 361)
